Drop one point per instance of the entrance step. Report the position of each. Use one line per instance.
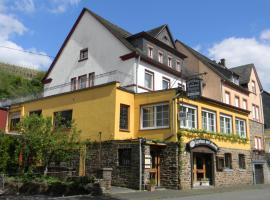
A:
(203, 187)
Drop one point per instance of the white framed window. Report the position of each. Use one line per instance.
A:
(150, 51)
(240, 127)
(160, 57)
(165, 83)
(257, 113)
(253, 86)
(258, 143)
(149, 80)
(209, 121)
(155, 116)
(188, 116)
(227, 98)
(244, 104)
(225, 124)
(236, 101)
(169, 61)
(82, 81)
(178, 66)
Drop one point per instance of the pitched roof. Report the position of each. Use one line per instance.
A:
(244, 71)
(155, 31)
(224, 72)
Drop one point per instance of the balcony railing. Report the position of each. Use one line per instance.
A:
(123, 78)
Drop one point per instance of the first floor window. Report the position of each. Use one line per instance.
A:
(155, 116)
(165, 83)
(149, 80)
(188, 117)
(242, 162)
(258, 143)
(225, 124)
(227, 98)
(240, 126)
(124, 115)
(63, 119)
(209, 121)
(228, 160)
(124, 157)
(73, 84)
(14, 121)
(245, 104)
(82, 81)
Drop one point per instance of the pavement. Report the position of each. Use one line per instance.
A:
(258, 192)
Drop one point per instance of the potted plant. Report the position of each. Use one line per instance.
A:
(151, 186)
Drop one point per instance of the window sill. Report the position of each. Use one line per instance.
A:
(228, 170)
(124, 130)
(242, 170)
(80, 60)
(154, 128)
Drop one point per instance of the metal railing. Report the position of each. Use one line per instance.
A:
(123, 78)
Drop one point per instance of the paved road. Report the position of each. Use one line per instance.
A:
(260, 192)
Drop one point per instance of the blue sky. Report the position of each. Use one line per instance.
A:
(237, 30)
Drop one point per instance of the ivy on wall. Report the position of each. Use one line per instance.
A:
(198, 133)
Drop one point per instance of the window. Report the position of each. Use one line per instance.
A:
(255, 112)
(188, 117)
(149, 80)
(220, 163)
(242, 162)
(160, 57)
(82, 81)
(63, 119)
(150, 52)
(225, 124)
(73, 84)
(236, 101)
(169, 61)
(178, 66)
(245, 104)
(240, 126)
(84, 54)
(227, 98)
(124, 157)
(165, 83)
(35, 112)
(124, 115)
(91, 79)
(253, 86)
(258, 143)
(14, 121)
(228, 160)
(209, 121)
(155, 116)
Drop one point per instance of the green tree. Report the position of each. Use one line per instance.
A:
(41, 142)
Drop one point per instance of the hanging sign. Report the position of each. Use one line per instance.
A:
(194, 88)
(202, 142)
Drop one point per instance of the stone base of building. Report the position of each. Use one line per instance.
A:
(136, 163)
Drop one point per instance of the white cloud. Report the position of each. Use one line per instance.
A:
(10, 26)
(240, 51)
(27, 6)
(198, 47)
(60, 6)
(265, 35)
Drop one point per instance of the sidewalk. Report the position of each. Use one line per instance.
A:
(173, 194)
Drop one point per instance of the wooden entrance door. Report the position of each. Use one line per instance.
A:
(155, 166)
(259, 177)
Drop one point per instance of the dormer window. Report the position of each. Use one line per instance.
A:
(169, 61)
(160, 57)
(83, 54)
(235, 80)
(150, 52)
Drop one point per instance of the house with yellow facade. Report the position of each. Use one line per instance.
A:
(128, 94)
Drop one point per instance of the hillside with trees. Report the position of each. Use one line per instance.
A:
(18, 81)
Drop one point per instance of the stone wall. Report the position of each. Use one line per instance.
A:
(124, 176)
(234, 176)
(256, 129)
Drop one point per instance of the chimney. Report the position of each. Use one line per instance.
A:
(222, 62)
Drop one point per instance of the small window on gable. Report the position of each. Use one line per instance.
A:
(253, 87)
(83, 54)
(165, 38)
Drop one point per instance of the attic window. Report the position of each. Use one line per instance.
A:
(165, 38)
(83, 54)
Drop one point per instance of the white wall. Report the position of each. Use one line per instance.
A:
(104, 50)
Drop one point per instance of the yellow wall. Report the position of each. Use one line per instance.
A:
(98, 110)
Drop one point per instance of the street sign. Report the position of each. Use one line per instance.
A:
(194, 88)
